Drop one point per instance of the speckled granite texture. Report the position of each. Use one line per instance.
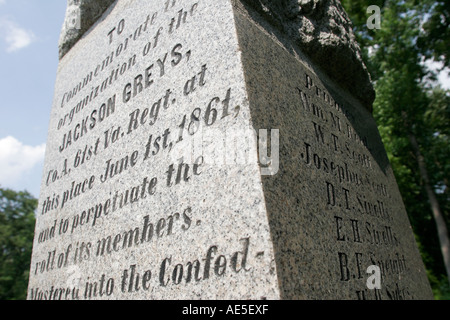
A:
(197, 151)
(80, 16)
(334, 207)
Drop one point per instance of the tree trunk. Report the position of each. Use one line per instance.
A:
(435, 208)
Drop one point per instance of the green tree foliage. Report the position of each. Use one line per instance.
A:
(413, 115)
(16, 240)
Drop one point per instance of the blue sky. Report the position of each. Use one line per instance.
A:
(29, 34)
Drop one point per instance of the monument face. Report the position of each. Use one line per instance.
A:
(195, 152)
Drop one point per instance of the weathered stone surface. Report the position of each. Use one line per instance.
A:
(163, 100)
(196, 151)
(333, 207)
(80, 16)
(321, 28)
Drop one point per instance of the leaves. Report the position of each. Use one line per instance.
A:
(16, 239)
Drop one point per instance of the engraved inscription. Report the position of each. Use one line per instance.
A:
(356, 201)
(115, 185)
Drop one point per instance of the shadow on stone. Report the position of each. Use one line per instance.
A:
(323, 31)
(80, 16)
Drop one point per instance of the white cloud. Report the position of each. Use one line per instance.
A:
(17, 161)
(15, 36)
(444, 78)
(443, 74)
(2, 2)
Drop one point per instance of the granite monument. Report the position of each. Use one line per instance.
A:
(217, 149)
